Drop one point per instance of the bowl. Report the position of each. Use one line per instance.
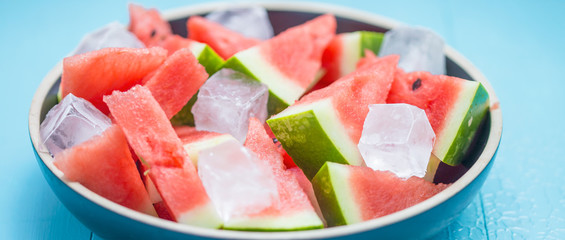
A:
(110, 220)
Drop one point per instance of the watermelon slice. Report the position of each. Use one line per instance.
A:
(288, 63)
(454, 106)
(326, 125)
(343, 52)
(293, 210)
(148, 25)
(176, 81)
(224, 41)
(206, 57)
(95, 74)
(104, 165)
(153, 30)
(350, 194)
(153, 138)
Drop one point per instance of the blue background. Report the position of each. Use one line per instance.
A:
(518, 45)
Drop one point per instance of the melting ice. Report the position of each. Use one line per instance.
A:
(397, 138)
(114, 34)
(236, 181)
(252, 21)
(227, 100)
(71, 122)
(420, 49)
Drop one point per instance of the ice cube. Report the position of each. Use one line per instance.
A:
(237, 182)
(420, 49)
(251, 21)
(114, 34)
(71, 122)
(397, 138)
(227, 100)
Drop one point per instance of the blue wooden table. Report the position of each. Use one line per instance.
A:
(518, 45)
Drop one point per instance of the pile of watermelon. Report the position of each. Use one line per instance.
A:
(147, 160)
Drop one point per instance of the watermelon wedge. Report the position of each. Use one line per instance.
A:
(148, 25)
(104, 165)
(153, 30)
(176, 81)
(343, 52)
(224, 41)
(293, 210)
(454, 106)
(288, 63)
(351, 194)
(95, 74)
(153, 138)
(326, 125)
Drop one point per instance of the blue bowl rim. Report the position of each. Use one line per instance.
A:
(489, 151)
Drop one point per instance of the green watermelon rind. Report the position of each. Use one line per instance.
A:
(185, 116)
(312, 134)
(350, 52)
(462, 123)
(274, 104)
(212, 62)
(372, 41)
(353, 48)
(334, 195)
(296, 221)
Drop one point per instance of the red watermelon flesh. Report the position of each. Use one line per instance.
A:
(104, 165)
(146, 126)
(330, 62)
(153, 138)
(380, 193)
(433, 93)
(258, 141)
(292, 198)
(297, 52)
(287, 160)
(176, 81)
(189, 134)
(148, 25)
(172, 43)
(306, 186)
(224, 41)
(351, 94)
(181, 189)
(368, 59)
(162, 211)
(95, 74)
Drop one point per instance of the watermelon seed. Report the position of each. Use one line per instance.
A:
(275, 140)
(153, 33)
(417, 84)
